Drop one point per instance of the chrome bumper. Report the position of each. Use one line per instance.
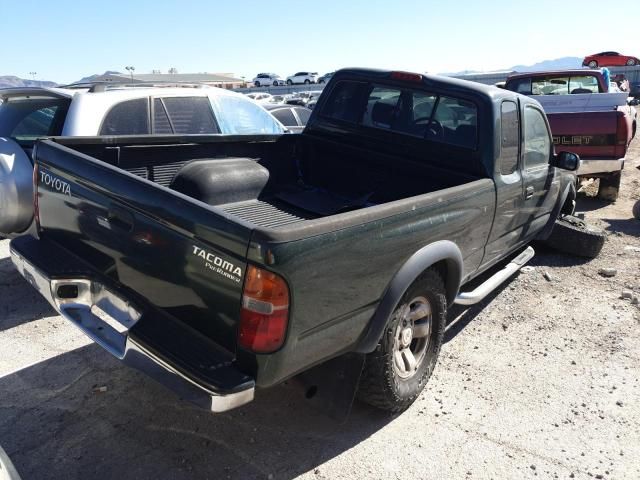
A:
(591, 166)
(106, 317)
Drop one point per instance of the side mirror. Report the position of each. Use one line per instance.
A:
(567, 161)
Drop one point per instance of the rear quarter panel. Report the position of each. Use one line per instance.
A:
(337, 278)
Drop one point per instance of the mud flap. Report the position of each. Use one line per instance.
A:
(331, 386)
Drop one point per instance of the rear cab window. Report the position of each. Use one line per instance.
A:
(438, 118)
(26, 119)
(555, 85)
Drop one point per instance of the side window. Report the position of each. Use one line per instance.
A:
(127, 118)
(509, 138)
(190, 115)
(345, 101)
(537, 144)
(238, 115)
(161, 123)
(285, 117)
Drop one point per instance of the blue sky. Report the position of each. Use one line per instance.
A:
(73, 39)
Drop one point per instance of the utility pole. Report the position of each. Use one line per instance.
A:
(33, 75)
(130, 69)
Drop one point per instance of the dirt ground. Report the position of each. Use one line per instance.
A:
(539, 381)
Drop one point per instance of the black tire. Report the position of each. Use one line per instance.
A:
(256, 84)
(307, 82)
(381, 384)
(631, 62)
(609, 187)
(572, 235)
(593, 64)
(636, 210)
(289, 82)
(275, 83)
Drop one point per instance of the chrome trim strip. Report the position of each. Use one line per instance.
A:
(119, 344)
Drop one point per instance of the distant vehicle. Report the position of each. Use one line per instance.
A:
(326, 77)
(280, 99)
(293, 117)
(303, 77)
(30, 113)
(585, 118)
(609, 59)
(267, 79)
(260, 96)
(302, 98)
(634, 89)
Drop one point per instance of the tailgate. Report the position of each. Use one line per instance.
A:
(589, 134)
(178, 254)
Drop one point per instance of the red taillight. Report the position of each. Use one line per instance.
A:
(622, 135)
(407, 76)
(36, 210)
(265, 311)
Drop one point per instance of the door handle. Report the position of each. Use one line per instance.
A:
(528, 193)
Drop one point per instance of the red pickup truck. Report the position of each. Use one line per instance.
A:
(585, 118)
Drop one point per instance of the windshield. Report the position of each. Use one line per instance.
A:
(26, 119)
(238, 116)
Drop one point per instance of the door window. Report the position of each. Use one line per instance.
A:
(537, 143)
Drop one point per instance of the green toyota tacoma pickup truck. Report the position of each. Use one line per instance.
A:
(221, 265)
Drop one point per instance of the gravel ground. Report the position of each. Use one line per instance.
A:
(539, 381)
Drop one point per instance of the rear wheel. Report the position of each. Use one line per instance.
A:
(573, 236)
(593, 64)
(631, 62)
(307, 82)
(398, 369)
(256, 84)
(289, 82)
(275, 83)
(609, 187)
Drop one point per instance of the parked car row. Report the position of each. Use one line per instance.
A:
(298, 78)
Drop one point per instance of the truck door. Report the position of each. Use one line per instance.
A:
(509, 223)
(536, 170)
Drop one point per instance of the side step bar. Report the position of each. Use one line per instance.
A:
(475, 296)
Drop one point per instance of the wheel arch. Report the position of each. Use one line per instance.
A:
(565, 204)
(444, 256)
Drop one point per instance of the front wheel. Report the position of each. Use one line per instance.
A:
(631, 62)
(275, 83)
(396, 372)
(593, 64)
(289, 82)
(256, 84)
(636, 210)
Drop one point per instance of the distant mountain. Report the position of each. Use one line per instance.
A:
(557, 64)
(91, 78)
(12, 81)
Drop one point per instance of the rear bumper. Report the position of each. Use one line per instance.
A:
(116, 324)
(601, 165)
